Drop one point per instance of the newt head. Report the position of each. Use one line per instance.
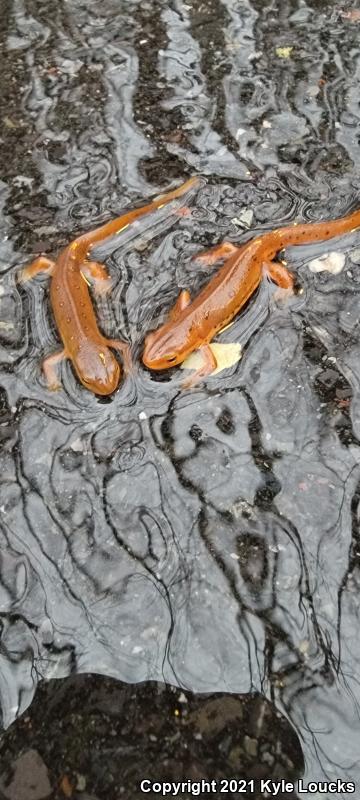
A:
(165, 347)
(97, 368)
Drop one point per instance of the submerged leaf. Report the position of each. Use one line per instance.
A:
(227, 354)
(329, 262)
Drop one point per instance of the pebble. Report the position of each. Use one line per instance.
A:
(30, 780)
(329, 262)
(355, 256)
(244, 218)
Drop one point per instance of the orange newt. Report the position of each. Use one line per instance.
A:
(86, 347)
(192, 324)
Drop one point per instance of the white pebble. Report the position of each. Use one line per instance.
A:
(329, 262)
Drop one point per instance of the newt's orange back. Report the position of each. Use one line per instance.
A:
(83, 343)
(193, 323)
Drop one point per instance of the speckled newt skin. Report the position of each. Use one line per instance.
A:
(192, 324)
(89, 351)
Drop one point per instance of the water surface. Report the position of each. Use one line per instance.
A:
(209, 538)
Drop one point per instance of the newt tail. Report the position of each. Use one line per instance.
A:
(89, 351)
(192, 324)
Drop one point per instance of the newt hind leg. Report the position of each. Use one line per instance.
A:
(49, 369)
(97, 275)
(41, 264)
(282, 277)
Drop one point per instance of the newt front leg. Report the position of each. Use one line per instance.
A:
(208, 366)
(182, 302)
(279, 274)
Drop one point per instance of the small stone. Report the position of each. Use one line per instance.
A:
(136, 650)
(23, 180)
(301, 15)
(236, 756)
(355, 256)
(30, 779)
(77, 445)
(9, 122)
(46, 631)
(329, 262)
(80, 782)
(251, 746)
(268, 758)
(46, 230)
(6, 326)
(244, 218)
(142, 415)
(304, 646)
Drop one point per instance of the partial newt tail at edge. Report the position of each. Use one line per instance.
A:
(89, 351)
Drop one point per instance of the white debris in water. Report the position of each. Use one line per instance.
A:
(276, 548)
(226, 354)
(6, 326)
(46, 230)
(330, 262)
(304, 646)
(245, 218)
(46, 631)
(77, 445)
(80, 782)
(142, 415)
(23, 180)
(71, 66)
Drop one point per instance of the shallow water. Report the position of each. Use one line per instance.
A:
(207, 538)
